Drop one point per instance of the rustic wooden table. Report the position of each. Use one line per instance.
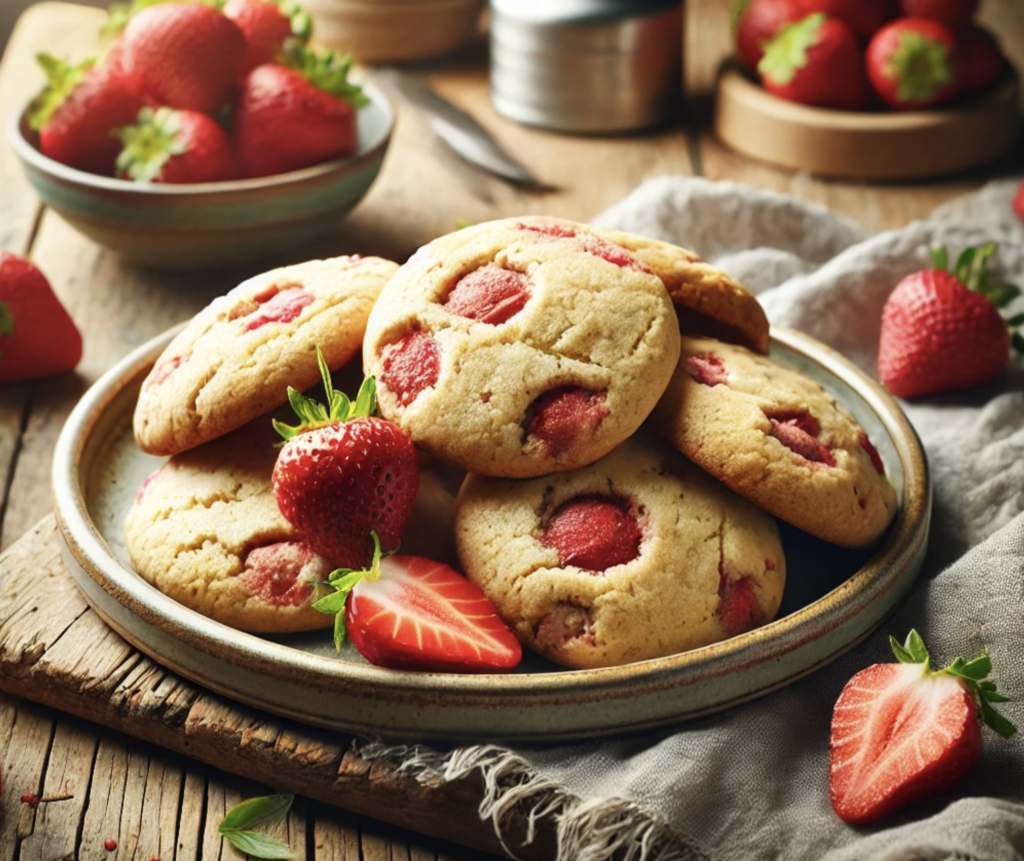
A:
(163, 805)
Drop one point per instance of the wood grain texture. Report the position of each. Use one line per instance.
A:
(55, 650)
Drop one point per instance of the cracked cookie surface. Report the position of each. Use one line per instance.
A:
(638, 556)
(521, 347)
(236, 358)
(779, 439)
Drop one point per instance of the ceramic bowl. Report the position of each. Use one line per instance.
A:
(834, 598)
(210, 223)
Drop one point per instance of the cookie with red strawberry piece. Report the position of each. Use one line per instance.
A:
(942, 331)
(756, 22)
(779, 439)
(637, 556)
(815, 61)
(521, 347)
(268, 25)
(184, 55)
(912, 64)
(902, 732)
(206, 531)
(37, 337)
(175, 147)
(235, 360)
(79, 112)
(955, 14)
(289, 118)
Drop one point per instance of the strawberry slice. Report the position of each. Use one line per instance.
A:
(411, 613)
(901, 732)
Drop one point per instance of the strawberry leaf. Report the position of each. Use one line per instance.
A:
(940, 258)
(312, 414)
(326, 72)
(977, 669)
(331, 604)
(1016, 320)
(920, 66)
(786, 54)
(366, 400)
(915, 645)
(995, 720)
(6, 320)
(343, 581)
(1018, 342)
(61, 80)
(1002, 295)
(149, 144)
(302, 24)
(902, 655)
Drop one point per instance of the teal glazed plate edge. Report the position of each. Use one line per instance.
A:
(557, 705)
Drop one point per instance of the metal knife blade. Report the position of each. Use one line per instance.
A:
(459, 130)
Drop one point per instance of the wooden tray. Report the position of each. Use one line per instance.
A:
(864, 145)
(834, 598)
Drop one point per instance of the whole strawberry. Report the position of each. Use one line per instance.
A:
(902, 732)
(757, 22)
(942, 331)
(37, 337)
(1018, 202)
(344, 474)
(175, 147)
(911, 64)
(290, 118)
(955, 14)
(78, 111)
(815, 61)
(980, 60)
(267, 26)
(865, 17)
(184, 55)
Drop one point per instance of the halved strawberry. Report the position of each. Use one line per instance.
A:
(411, 613)
(345, 473)
(901, 732)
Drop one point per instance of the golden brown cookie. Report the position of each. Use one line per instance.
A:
(521, 347)
(778, 439)
(637, 556)
(236, 358)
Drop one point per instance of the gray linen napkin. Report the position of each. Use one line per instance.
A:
(752, 782)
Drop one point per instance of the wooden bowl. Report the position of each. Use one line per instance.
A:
(210, 223)
(863, 145)
(384, 31)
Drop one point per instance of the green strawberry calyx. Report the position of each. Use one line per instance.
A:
(340, 584)
(61, 80)
(971, 269)
(786, 54)
(339, 408)
(920, 66)
(148, 145)
(325, 71)
(302, 24)
(972, 675)
(6, 320)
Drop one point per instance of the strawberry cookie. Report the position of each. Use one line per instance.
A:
(637, 556)
(205, 529)
(238, 356)
(521, 347)
(779, 439)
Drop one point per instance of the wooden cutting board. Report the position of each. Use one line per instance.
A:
(56, 651)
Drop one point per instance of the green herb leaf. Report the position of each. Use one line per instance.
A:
(256, 812)
(6, 320)
(257, 845)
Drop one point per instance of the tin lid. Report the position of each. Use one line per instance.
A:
(557, 12)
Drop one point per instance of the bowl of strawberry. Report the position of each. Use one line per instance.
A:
(867, 89)
(203, 136)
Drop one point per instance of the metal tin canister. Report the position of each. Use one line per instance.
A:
(587, 65)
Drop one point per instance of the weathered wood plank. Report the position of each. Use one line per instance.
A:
(83, 668)
(25, 735)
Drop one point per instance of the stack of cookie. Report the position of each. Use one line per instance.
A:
(622, 476)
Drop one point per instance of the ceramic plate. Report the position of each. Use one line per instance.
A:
(834, 598)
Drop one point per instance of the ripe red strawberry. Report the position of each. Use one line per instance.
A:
(865, 17)
(411, 613)
(942, 331)
(980, 60)
(757, 22)
(955, 14)
(37, 337)
(290, 118)
(911, 64)
(815, 61)
(902, 732)
(267, 25)
(175, 147)
(344, 473)
(184, 55)
(1018, 202)
(78, 111)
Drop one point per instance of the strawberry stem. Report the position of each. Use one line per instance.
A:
(339, 409)
(971, 674)
(342, 581)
